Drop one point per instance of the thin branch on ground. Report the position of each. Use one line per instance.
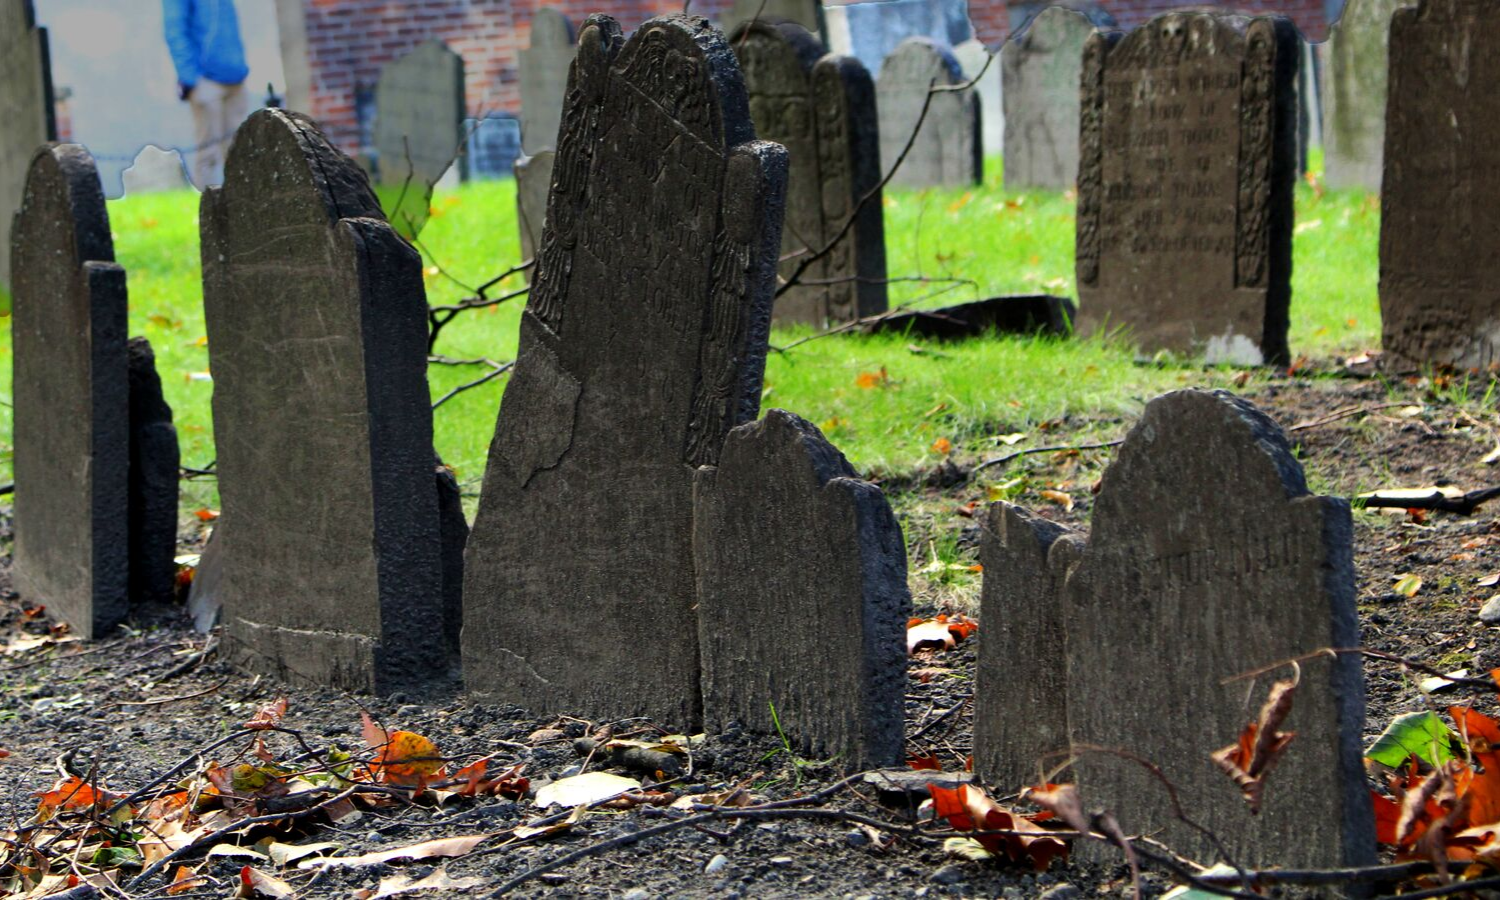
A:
(1345, 413)
(494, 373)
(1481, 684)
(1002, 460)
(1463, 504)
(160, 701)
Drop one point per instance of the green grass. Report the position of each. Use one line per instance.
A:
(962, 393)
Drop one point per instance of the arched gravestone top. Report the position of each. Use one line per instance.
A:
(1040, 71)
(544, 79)
(71, 385)
(1187, 162)
(419, 113)
(947, 151)
(1356, 60)
(821, 107)
(643, 342)
(318, 342)
(807, 13)
(1440, 193)
(25, 108)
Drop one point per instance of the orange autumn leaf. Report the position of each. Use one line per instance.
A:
(968, 809)
(922, 763)
(1260, 746)
(941, 633)
(70, 793)
(268, 716)
(402, 757)
(1061, 498)
(942, 446)
(207, 515)
(185, 880)
(871, 380)
(1480, 788)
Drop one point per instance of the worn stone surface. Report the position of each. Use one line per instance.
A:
(533, 183)
(1019, 314)
(543, 72)
(72, 397)
(317, 328)
(155, 169)
(1041, 68)
(974, 58)
(205, 602)
(947, 151)
(1354, 84)
(643, 342)
(419, 113)
(154, 461)
(821, 107)
(873, 31)
(1439, 274)
(806, 13)
(453, 529)
(25, 108)
(784, 531)
(1188, 158)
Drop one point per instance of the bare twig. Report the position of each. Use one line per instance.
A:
(1463, 505)
(159, 701)
(1002, 460)
(1345, 413)
(494, 373)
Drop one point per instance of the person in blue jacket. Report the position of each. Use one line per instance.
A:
(204, 38)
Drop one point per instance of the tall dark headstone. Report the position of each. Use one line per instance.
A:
(1188, 158)
(947, 151)
(643, 342)
(1355, 63)
(317, 328)
(1208, 558)
(154, 460)
(419, 114)
(1439, 215)
(1040, 70)
(25, 108)
(72, 397)
(821, 107)
(543, 70)
(785, 532)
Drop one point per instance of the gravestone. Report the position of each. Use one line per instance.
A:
(543, 72)
(807, 13)
(533, 182)
(802, 596)
(1041, 69)
(1188, 157)
(642, 343)
(871, 30)
(1439, 274)
(419, 113)
(821, 107)
(25, 108)
(155, 170)
(1027, 314)
(317, 336)
(974, 58)
(72, 397)
(947, 151)
(1208, 558)
(492, 145)
(154, 461)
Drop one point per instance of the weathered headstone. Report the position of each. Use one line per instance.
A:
(72, 397)
(1041, 69)
(1027, 314)
(642, 343)
(1188, 158)
(543, 71)
(533, 183)
(947, 151)
(493, 145)
(1440, 197)
(785, 534)
(807, 13)
(155, 169)
(821, 107)
(317, 328)
(871, 30)
(419, 113)
(25, 108)
(154, 461)
(974, 58)
(1208, 558)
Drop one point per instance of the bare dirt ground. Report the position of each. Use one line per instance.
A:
(126, 710)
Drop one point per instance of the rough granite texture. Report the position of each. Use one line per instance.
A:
(643, 342)
(948, 151)
(802, 595)
(25, 108)
(154, 461)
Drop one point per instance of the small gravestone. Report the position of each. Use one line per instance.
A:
(154, 461)
(1188, 158)
(419, 113)
(821, 107)
(317, 335)
(802, 596)
(72, 397)
(807, 13)
(1439, 215)
(974, 58)
(1208, 558)
(543, 71)
(947, 151)
(533, 182)
(453, 528)
(1354, 81)
(642, 344)
(1041, 66)
(155, 170)
(25, 108)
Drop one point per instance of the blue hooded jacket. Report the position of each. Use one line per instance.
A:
(204, 37)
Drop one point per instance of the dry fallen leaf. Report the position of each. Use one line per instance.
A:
(1260, 745)
(268, 716)
(255, 883)
(941, 633)
(443, 847)
(185, 880)
(438, 880)
(584, 790)
(1061, 498)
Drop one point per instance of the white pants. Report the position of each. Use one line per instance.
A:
(218, 109)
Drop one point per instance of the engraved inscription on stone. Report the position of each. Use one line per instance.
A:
(1187, 166)
(643, 342)
(419, 113)
(947, 151)
(543, 71)
(1040, 72)
(821, 107)
(1354, 93)
(25, 110)
(1440, 196)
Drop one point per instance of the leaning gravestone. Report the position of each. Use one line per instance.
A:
(802, 605)
(1439, 274)
(25, 108)
(543, 71)
(1188, 158)
(419, 113)
(1355, 58)
(317, 334)
(533, 182)
(1041, 67)
(947, 151)
(72, 397)
(643, 342)
(821, 107)
(154, 461)
(1208, 558)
